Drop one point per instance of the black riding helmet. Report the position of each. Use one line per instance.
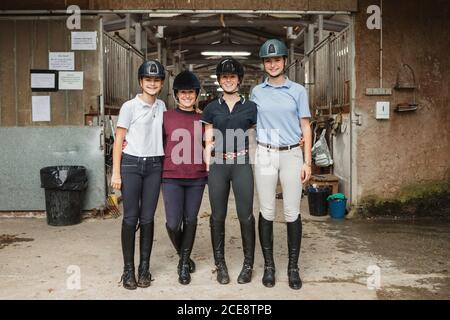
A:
(230, 65)
(151, 68)
(186, 80)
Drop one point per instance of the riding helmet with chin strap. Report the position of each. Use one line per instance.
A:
(229, 65)
(151, 68)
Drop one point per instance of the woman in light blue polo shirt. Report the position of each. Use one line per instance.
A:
(137, 170)
(283, 119)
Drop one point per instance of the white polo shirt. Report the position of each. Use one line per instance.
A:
(144, 127)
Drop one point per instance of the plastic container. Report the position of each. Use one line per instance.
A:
(64, 193)
(337, 208)
(317, 200)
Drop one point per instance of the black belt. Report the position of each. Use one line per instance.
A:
(269, 146)
(151, 158)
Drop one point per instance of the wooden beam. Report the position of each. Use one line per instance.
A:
(228, 22)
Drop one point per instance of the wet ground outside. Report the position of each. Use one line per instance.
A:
(340, 259)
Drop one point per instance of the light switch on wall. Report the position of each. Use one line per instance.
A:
(382, 110)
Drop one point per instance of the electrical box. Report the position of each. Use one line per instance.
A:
(382, 110)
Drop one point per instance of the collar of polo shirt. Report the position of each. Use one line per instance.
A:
(242, 99)
(143, 103)
(287, 83)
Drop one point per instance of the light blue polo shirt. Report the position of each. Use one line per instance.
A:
(280, 109)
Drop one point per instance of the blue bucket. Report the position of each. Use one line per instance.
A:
(337, 208)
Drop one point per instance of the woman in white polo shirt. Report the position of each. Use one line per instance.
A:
(137, 169)
(283, 119)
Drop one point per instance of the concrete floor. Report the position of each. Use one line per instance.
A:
(43, 262)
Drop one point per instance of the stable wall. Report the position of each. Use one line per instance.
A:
(411, 149)
(25, 44)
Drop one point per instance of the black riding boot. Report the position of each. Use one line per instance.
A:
(218, 244)
(176, 237)
(187, 243)
(266, 239)
(128, 237)
(146, 244)
(294, 233)
(248, 245)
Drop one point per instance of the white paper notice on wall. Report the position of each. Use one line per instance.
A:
(43, 80)
(40, 106)
(84, 40)
(61, 60)
(70, 80)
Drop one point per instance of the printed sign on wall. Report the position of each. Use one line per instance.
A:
(84, 40)
(61, 61)
(70, 80)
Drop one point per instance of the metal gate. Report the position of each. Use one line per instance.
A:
(120, 62)
(328, 74)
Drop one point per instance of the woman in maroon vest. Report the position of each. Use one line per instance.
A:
(184, 172)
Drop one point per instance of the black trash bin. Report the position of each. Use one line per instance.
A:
(64, 193)
(317, 200)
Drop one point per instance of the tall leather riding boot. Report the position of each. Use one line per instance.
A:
(218, 244)
(294, 236)
(146, 244)
(189, 230)
(128, 237)
(248, 245)
(265, 228)
(176, 237)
